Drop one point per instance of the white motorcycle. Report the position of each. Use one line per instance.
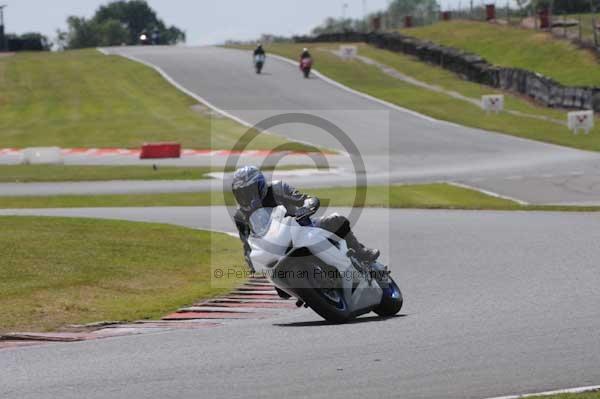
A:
(259, 62)
(315, 266)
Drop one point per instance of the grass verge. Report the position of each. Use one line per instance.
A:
(86, 99)
(64, 173)
(583, 395)
(421, 196)
(60, 173)
(59, 271)
(518, 48)
(371, 80)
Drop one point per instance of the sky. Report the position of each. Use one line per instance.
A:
(205, 21)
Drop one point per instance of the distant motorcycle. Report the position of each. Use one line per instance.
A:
(315, 266)
(306, 66)
(259, 62)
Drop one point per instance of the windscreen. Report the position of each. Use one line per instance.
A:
(260, 221)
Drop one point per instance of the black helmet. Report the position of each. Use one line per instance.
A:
(249, 187)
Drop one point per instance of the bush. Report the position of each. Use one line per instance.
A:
(28, 42)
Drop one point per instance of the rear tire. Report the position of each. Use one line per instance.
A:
(391, 301)
(306, 73)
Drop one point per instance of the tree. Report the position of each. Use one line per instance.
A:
(61, 39)
(81, 33)
(112, 33)
(572, 6)
(120, 22)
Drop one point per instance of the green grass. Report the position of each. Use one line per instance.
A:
(62, 173)
(584, 395)
(59, 271)
(423, 196)
(86, 99)
(371, 80)
(514, 47)
(56, 173)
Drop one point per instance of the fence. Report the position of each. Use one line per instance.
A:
(583, 29)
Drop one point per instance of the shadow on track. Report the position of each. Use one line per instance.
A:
(317, 323)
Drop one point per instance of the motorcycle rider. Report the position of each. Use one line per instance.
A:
(259, 50)
(305, 54)
(252, 192)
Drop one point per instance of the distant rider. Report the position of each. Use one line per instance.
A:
(252, 192)
(259, 51)
(305, 54)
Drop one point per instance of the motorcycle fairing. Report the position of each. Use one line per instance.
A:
(278, 233)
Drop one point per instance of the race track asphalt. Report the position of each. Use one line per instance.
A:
(496, 303)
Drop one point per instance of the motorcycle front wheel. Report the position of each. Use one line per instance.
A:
(391, 301)
(324, 298)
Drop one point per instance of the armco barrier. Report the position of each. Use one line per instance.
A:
(160, 150)
(476, 69)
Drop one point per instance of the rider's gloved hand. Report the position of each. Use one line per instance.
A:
(303, 212)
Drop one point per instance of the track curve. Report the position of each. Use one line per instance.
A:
(399, 143)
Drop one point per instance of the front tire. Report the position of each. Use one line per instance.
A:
(391, 301)
(329, 303)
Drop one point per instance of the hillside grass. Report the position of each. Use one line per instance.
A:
(371, 80)
(86, 99)
(515, 47)
(59, 271)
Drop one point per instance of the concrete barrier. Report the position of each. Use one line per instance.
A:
(42, 156)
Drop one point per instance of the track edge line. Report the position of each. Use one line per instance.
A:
(548, 393)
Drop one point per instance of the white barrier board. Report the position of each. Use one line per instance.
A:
(348, 52)
(581, 120)
(493, 103)
(42, 156)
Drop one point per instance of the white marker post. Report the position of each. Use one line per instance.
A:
(493, 103)
(581, 120)
(348, 52)
(42, 156)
